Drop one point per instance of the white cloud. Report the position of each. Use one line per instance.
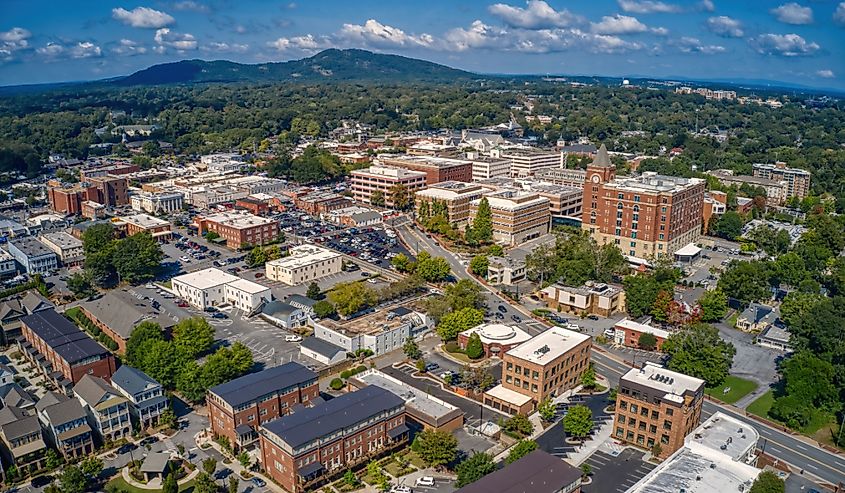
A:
(618, 24)
(226, 47)
(725, 27)
(660, 31)
(788, 45)
(165, 38)
(13, 40)
(81, 49)
(127, 47)
(839, 14)
(826, 74)
(51, 50)
(85, 49)
(307, 43)
(536, 15)
(707, 5)
(190, 5)
(374, 33)
(143, 17)
(694, 45)
(648, 7)
(793, 13)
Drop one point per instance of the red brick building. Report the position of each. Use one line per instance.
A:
(436, 169)
(316, 203)
(647, 216)
(254, 206)
(628, 332)
(109, 191)
(306, 449)
(62, 352)
(237, 408)
(240, 229)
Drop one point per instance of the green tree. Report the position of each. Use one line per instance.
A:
(233, 485)
(588, 378)
(194, 336)
(790, 269)
(140, 341)
(170, 485)
(97, 238)
(478, 265)
(168, 418)
(547, 409)
(647, 341)
(482, 223)
(80, 284)
(474, 349)
(401, 262)
(518, 424)
(746, 282)
(401, 197)
(314, 291)
(411, 349)
(137, 257)
(52, 459)
(520, 450)
(713, 305)
(151, 148)
(244, 460)
(474, 468)
(465, 293)
(586, 470)
(91, 466)
(700, 352)
(323, 309)
(377, 198)
(768, 482)
(431, 269)
(729, 226)
(807, 387)
(209, 465)
(203, 483)
(661, 306)
(352, 297)
(435, 447)
(256, 257)
(350, 479)
(73, 480)
(455, 322)
(578, 421)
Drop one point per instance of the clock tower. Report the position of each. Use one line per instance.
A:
(599, 172)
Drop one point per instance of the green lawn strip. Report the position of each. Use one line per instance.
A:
(739, 388)
(120, 484)
(761, 405)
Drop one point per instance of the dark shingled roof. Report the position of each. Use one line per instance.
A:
(537, 472)
(133, 380)
(250, 387)
(321, 347)
(342, 412)
(62, 336)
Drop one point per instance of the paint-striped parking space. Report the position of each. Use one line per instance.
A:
(618, 473)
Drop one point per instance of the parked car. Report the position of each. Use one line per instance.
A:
(148, 441)
(424, 481)
(502, 308)
(293, 338)
(219, 315)
(181, 304)
(516, 318)
(259, 275)
(401, 489)
(500, 316)
(126, 448)
(431, 367)
(593, 317)
(42, 481)
(259, 482)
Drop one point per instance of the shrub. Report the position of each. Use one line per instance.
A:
(336, 384)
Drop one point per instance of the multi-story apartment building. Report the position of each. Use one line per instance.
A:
(146, 396)
(382, 179)
(528, 161)
(239, 228)
(776, 191)
(567, 177)
(302, 450)
(565, 202)
(648, 216)
(22, 440)
(657, 406)
(62, 352)
(66, 425)
(547, 365)
(797, 180)
(304, 264)
(68, 248)
(455, 195)
(436, 169)
(238, 407)
(33, 256)
(518, 216)
(592, 298)
(107, 409)
(157, 202)
(213, 287)
(486, 167)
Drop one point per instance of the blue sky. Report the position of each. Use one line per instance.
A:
(799, 42)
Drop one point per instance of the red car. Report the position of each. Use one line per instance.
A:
(258, 274)
(181, 304)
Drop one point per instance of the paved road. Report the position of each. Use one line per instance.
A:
(794, 451)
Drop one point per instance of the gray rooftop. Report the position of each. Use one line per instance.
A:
(31, 247)
(537, 472)
(93, 389)
(132, 380)
(14, 395)
(250, 387)
(156, 462)
(121, 312)
(16, 424)
(64, 412)
(62, 336)
(322, 347)
(307, 425)
(414, 398)
(602, 158)
(279, 308)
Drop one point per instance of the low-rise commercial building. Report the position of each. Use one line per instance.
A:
(322, 351)
(547, 365)
(528, 161)
(146, 396)
(62, 352)
(436, 169)
(238, 407)
(302, 450)
(591, 298)
(68, 248)
(628, 333)
(304, 264)
(316, 203)
(537, 472)
(756, 317)
(657, 406)
(157, 202)
(284, 314)
(107, 409)
(518, 216)
(247, 296)
(159, 229)
(239, 229)
(452, 196)
(212, 287)
(775, 336)
(505, 270)
(117, 313)
(33, 256)
(355, 216)
(66, 425)
(380, 332)
(381, 180)
(496, 339)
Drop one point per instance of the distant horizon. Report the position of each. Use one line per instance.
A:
(774, 40)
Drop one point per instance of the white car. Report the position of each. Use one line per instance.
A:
(185, 258)
(424, 481)
(401, 489)
(293, 338)
(150, 286)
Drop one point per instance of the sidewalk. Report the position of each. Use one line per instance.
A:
(586, 449)
(201, 438)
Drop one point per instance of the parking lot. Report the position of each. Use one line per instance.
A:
(553, 439)
(616, 473)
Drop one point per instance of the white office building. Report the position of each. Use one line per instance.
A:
(213, 287)
(158, 202)
(304, 264)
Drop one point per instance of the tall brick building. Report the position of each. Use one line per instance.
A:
(237, 408)
(647, 216)
(657, 406)
(110, 191)
(436, 169)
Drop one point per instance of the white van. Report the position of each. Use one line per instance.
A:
(293, 338)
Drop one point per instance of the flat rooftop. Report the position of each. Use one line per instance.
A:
(388, 172)
(62, 240)
(303, 255)
(642, 328)
(512, 199)
(206, 278)
(650, 182)
(730, 436)
(452, 190)
(144, 221)
(415, 398)
(673, 384)
(548, 345)
(427, 161)
(248, 286)
(373, 323)
(238, 220)
(508, 395)
(498, 334)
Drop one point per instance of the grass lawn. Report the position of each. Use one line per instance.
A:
(761, 405)
(396, 470)
(121, 485)
(731, 321)
(739, 388)
(462, 357)
(414, 459)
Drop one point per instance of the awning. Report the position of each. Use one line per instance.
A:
(242, 430)
(311, 469)
(397, 432)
